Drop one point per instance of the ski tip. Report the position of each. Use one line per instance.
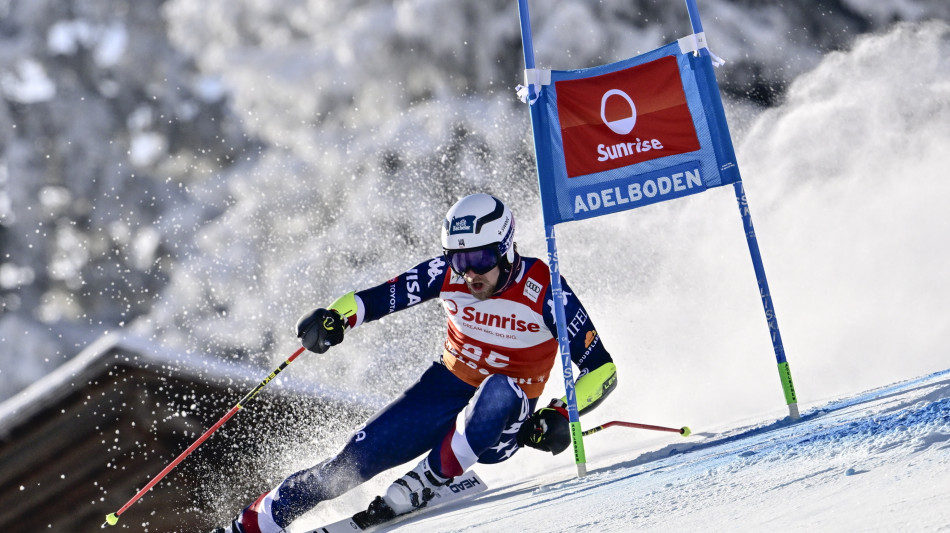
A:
(685, 431)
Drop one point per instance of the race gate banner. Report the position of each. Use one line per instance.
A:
(628, 134)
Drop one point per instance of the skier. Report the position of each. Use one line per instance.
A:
(474, 405)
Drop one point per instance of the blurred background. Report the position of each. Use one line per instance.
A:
(179, 181)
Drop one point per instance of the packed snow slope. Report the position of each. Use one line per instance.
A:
(876, 461)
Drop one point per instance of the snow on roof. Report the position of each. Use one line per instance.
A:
(123, 349)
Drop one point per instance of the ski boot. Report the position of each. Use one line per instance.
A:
(408, 493)
(414, 490)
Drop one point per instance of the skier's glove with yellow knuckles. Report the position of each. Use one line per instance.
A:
(547, 429)
(320, 329)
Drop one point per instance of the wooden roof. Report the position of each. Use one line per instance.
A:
(80, 443)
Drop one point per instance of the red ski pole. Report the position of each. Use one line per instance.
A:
(684, 431)
(113, 519)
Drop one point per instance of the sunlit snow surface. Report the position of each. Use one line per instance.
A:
(878, 461)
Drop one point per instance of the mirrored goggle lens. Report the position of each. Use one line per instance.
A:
(478, 261)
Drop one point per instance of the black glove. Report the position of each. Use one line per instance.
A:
(548, 429)
(320, 329)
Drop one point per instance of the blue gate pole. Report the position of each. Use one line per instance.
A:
(783, 370)
(577, 435)
(785, 374)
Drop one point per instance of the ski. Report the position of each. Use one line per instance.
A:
(461, 488)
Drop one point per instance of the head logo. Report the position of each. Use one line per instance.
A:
(462, 225)
(621, 126)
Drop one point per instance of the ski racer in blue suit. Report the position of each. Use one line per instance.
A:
(475, 405)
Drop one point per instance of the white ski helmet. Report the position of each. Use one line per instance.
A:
(482, 227)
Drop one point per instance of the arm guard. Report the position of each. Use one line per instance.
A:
(594, 386)
(348, 306)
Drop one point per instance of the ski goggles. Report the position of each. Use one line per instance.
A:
(478, 260)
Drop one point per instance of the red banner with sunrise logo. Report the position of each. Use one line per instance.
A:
(639, 131)
(623, 118)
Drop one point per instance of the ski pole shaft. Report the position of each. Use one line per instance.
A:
(684, 431)
(113, 518)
